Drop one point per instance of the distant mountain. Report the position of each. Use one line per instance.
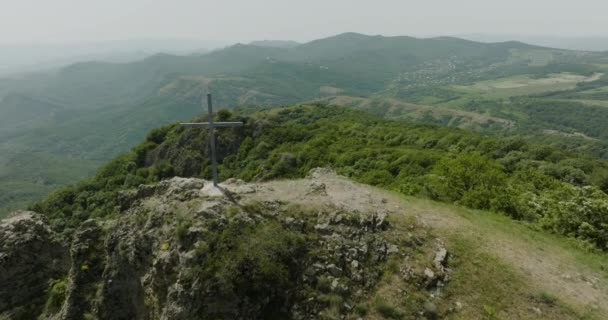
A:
(34, 58)
(275, 43)
(562, 42)
(92, 111)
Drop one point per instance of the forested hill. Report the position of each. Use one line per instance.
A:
(555, 190)
(88, 112)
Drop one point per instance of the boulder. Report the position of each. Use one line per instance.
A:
(31, 254)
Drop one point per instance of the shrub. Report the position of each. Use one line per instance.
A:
(469, 179)
(56, 295)
(579, 212)
(361, 309)
(387, 310)
(256, 265)
(547, 298)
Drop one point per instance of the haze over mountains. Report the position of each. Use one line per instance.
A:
(373, 177)
(86, 113)
(584, 43)
(20, 58)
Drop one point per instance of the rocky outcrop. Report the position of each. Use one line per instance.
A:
(184, 249)
(30, 256)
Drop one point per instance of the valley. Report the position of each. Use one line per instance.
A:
(497, 89)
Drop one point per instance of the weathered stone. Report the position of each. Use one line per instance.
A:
(441, 257)
(334, 270)
(323, 228)
(31, 255)
(317, 188)
(392, 249)
(334, 284)
(148, 261)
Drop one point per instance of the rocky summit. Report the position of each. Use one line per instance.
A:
(316, 248)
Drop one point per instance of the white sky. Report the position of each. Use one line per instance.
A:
(61, 21)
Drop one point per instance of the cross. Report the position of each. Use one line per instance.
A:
(211, 126)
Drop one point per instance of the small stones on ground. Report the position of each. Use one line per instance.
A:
(458, 305)
(334, 270)
(317, 188)
(392, 248)
(441, 256)
(334, 284)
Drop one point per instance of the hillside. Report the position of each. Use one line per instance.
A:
(317, 248)
(89, 112)
(562, 192)
(147, 237)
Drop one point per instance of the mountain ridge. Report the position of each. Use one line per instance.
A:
(165, 88)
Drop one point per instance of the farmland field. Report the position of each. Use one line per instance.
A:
(525, 85)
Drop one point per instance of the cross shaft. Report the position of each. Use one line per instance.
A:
(211, 125)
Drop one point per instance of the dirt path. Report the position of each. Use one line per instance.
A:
(548, 268)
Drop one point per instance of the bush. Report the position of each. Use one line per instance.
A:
(511, 176)
(579, 212)
(387, 310)
(255, 266)
(56, 295)
(469, 179)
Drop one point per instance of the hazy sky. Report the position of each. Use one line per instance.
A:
(34, 21)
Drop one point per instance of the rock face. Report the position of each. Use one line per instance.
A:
(30, 256)
(182, 249)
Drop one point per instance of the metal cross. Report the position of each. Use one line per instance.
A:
(212, 125)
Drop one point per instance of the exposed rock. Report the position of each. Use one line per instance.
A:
(209, 190)
(441, 257)
(85, 272)
(317, 173)
(30, 256)
(317, 188)
(184, 249)
(334, 270)
(392, 249)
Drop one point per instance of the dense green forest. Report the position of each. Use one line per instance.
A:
(87, 113)
(547, 187)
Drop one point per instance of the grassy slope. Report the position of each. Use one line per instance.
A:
(500, 269)
(507, 270)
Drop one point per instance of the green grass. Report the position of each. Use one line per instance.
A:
(387, 310)
(538, 239)
(521, 85)
(56, 295)
(600, 103)
(489, 286)
(492, 289)
(490, 222)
